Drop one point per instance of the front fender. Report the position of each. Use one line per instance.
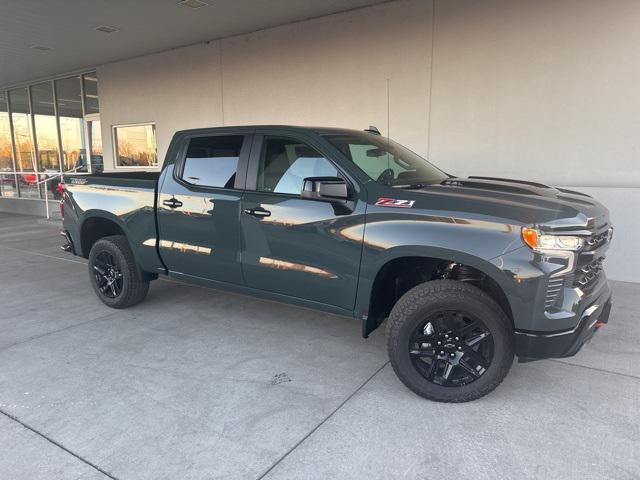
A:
(474, 242)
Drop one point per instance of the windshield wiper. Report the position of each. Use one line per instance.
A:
(444, 182)
(411, 186)
(419, 185)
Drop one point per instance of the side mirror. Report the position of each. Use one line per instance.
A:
(329, 189)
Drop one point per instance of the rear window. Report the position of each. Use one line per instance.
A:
(212, 161)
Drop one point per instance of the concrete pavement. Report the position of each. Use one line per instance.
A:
(201, 384)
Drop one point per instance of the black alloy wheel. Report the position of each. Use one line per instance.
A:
(108, 274)
(449, 341)
(451, 348)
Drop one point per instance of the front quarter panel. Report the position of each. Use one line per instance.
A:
(424, 230)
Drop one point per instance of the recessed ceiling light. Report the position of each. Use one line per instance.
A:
(193, 3)
(42, 48)
(106, 29)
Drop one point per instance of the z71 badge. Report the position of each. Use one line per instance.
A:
(394, 202)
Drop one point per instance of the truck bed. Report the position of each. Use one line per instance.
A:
(126, 198)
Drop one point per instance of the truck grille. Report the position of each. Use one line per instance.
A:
(586, 272)
(587, 275)
(589, 266)
(597, 240)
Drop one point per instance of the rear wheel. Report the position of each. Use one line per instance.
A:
(449, 341)
(115, 275)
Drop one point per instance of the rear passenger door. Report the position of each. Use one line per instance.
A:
(295, 246)
(199, 206)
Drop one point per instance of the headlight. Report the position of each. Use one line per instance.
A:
(542, 241)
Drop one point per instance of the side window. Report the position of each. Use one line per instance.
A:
(212, 161)
(285, 163)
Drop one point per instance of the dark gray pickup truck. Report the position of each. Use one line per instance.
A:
(468, 272)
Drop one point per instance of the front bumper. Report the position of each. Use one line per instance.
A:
(538, 345)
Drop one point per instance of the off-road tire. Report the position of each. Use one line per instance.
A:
(446, 295)
(134, 285)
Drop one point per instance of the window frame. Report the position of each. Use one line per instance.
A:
(241, 171)
(256, 155)
(114, 142)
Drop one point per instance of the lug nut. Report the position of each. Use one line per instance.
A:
(439, 343)
(441, 352)
(457, 338)
(446, 336)
(452, 355)
(459, 348)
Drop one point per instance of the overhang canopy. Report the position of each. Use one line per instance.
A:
(42, 38)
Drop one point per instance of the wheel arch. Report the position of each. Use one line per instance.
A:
(97, 225)
(408, 267)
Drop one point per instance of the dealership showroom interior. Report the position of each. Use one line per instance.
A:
(339, 239)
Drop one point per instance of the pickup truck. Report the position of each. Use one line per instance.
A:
(467, 272)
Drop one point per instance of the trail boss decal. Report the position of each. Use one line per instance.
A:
(394, 202)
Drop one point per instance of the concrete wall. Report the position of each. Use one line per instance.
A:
(330, 71)
(27, 206)
(545, 90)
(177, 89)
(542, 89)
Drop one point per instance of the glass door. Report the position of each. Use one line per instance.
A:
(94, 140)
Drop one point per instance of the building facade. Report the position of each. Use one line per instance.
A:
(539, 90)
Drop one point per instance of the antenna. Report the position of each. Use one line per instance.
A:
(388, 113)
(388, 126)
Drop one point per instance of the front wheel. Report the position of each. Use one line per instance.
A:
(115, 275)
(449, 341)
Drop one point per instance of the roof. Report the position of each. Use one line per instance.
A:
(289, 128)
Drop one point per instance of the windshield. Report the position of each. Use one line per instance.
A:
(386, 161)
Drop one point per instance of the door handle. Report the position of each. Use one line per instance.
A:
(257, 212)
(172, 203)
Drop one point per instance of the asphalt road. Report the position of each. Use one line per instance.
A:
(201, 384)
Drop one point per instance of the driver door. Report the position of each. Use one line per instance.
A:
(299, 247)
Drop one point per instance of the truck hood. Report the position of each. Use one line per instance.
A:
(516, 201)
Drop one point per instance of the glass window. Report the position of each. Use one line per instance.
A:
(21, 119)
(135, 145)
(91, 100)
(69, 100)
(7, 180)
(46, 130)
(285, 163)
(212, 161)
(386, 161)
(95, 143)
